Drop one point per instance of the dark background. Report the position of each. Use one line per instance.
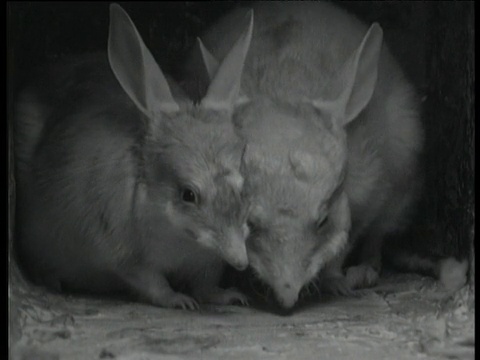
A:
(433, 41)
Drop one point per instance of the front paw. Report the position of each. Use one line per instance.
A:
(336, 285)
(219, 296)
(176, 301)
(361, 276)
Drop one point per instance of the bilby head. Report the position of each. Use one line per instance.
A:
(190, 154)
(295, 167)
(299, 216)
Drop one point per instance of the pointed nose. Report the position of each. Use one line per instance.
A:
(235, 251)
(237, 258)
(239, 265)
(287, 295)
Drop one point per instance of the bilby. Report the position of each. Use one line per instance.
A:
(333, 138)
(123, 184)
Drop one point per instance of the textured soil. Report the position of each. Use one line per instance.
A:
(405, 317)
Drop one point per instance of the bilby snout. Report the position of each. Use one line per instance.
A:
(234, 249)
(287, 295)
(239, 265)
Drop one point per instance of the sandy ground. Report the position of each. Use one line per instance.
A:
(405, 317)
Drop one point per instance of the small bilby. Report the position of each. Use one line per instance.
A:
(333, 142)
(121, 186)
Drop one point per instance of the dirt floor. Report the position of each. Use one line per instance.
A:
(405, 317)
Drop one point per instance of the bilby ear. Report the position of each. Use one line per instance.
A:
(210, 62)
(135, 68)
(212, 65)
(351, 89)
(223, 92)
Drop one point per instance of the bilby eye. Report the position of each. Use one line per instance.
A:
(188, 195)
(252, 226)
(322, 222)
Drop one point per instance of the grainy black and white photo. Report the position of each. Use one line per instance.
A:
(241, 180)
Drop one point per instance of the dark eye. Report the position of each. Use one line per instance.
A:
(252, 226)
(322, 222)
(188, 195)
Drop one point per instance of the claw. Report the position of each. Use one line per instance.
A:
(179, 301)
(337, 286)
(223, 297)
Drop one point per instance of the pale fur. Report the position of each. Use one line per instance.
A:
(99, 184)
(297, 47)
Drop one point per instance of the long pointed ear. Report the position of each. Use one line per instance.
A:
(224, 89)
(210, 62)
(351, 89)
(212, 65)
(135, 68)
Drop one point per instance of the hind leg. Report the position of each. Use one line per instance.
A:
(391, 220)
(367, 273)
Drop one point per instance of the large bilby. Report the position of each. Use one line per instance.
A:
(123, 183)
(333, 138)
